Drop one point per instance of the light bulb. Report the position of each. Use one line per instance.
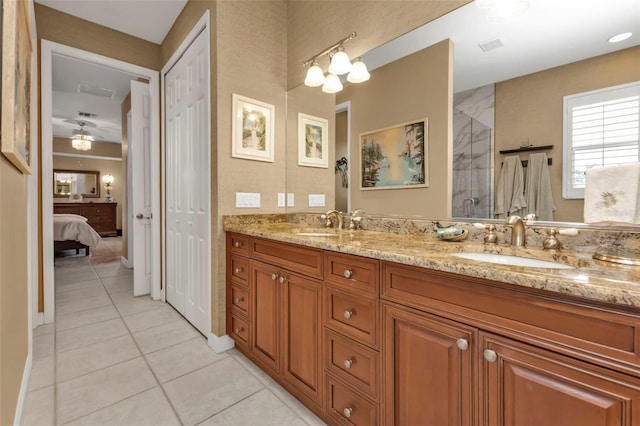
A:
(358, 72)
(340, 63)
(332, 85)
(315, 76)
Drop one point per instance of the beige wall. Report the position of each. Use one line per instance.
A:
(342, 150)
(317, 24)
(529, 109)
(302, 180)
(396, 94)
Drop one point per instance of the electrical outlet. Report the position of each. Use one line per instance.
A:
(316, 200)
(281, 197)
(290, 199)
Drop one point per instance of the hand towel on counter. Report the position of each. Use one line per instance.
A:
(612, 194)
(510, 193)
(537, 191)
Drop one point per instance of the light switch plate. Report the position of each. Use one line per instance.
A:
(281, 199)
(316, 200)
(247, 200)
(290, 199)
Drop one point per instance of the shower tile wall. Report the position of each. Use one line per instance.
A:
(473, 121)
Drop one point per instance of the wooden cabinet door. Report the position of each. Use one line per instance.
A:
(265, 314)
(427, 369)
(525, 386)
(302, 334)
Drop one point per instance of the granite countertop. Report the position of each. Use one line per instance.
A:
(589, 278)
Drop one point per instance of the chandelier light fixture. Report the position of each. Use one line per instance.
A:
(81, 139)
(340, 64)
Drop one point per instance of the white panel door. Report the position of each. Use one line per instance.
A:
(188, 186)
(140, 161)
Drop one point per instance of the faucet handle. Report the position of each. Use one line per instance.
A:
(490, 237)
(354, 219)
(531, 217)
(328, 222)
(568, 231)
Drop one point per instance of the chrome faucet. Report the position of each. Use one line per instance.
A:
(355, 218)
(330, 216)
(517, 231)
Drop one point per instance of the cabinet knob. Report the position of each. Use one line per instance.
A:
(462, 344)
(238, 330)
(348, 314)
(238, 270)
(274, 276)
(238, 299)
(348, 363)
(348, 273)
(347, 412)
(237, 244)
(282, 280)
(490, 355)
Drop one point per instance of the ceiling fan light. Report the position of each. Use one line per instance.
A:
(315, 76)
(81, 144)
(332, 85)
(340, 63)
(359, 72)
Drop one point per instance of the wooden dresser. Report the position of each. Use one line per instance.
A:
(101, 216)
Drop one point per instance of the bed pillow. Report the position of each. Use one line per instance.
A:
(70, 216)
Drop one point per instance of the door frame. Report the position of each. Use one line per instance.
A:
(47, 50)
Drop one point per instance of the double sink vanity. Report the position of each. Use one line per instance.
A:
(390, 325)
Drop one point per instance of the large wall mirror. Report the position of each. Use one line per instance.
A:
(509, 80)
(83, 182)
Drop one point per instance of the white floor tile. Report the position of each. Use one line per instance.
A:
(264, 378)
(156, 338)
(128, 305)
(296, 406)
(39, 408)
(97, 390)
(41, 373)
(181, 359)
(118, 284)
(75, 286)
(112, 270)
(147, 408)
(163, 315)
(262, 408)
(79, 305)
(76, 274)
(82, 318)
(94, 357)
(81, 293)
(205, 392)
(43, 345)
(82, 336)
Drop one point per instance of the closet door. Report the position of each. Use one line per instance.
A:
(188, 185)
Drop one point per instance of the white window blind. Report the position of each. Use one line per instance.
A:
(601, 128)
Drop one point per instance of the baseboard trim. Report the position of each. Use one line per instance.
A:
(220, 344)
(126, 262)
(24, 388)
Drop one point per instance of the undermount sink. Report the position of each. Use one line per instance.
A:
(316, 234)
(511, 260)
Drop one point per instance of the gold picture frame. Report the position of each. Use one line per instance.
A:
(17, 56)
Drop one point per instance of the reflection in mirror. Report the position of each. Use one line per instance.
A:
(529, 63)
(83, 182)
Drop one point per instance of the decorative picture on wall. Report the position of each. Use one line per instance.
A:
(16, 84)
(313, 141)
(395, 157)
(252, 129)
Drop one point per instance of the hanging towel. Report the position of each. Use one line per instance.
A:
(510, 193)
(537, 191)
(612, 194)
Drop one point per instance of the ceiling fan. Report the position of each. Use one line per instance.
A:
(81, 139)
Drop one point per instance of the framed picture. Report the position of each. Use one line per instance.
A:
(395, 157)
(252, 129)
(313, 141)
(16, 84)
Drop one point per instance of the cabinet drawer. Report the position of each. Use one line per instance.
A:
(240, 268)
(352, 316)
(239, 330)
(356, 364)
(304, 260)
(238, 244)
(347, 407)
(240, 299)
(352, 272)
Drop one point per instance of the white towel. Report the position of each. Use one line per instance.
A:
(612, 194)
(537, 190)
(510, 193)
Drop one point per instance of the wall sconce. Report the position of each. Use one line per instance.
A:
(108, 180)
(340, 64)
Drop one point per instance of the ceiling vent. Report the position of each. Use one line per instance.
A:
(492, 44)
(96, 91)
(87, 114)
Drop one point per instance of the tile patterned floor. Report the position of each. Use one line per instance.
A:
(112, 359)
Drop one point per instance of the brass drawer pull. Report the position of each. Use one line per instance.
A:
(238, 270)
(490, 355)
(348, 273)
(462, 344)
(238, 330)
(347, 412)
(348, 363)
(239, 299)
(237, 244)
(274, 276)
(348, 313)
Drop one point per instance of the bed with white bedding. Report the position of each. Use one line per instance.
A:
(71, 231)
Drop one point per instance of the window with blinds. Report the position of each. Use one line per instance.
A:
(601, 128)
